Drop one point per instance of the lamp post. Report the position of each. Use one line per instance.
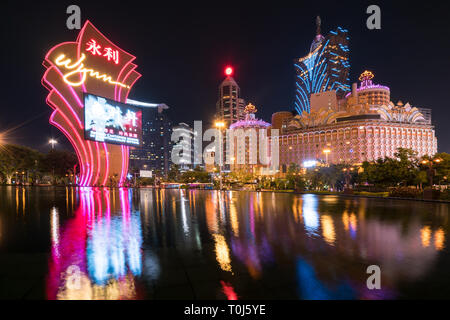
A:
(52, 143)
(430, 163)
(326, 151)
(220, 125)
(347, 175)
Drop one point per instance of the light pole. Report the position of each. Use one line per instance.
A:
(347, 175)
(326, 151)
(52, 143)
(220, 125)
(430, 163)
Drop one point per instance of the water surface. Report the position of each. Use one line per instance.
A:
(87, 243)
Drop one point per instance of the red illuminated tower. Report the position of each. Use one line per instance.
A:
(230, 107)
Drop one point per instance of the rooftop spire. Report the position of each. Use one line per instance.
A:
(318, 24)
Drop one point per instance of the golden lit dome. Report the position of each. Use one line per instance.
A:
(250, 108)
(366, 75)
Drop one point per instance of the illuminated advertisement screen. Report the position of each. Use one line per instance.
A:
(110, 121)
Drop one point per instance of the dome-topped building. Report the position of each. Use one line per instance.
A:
(370, 93)
(245, 147)
(250, 120)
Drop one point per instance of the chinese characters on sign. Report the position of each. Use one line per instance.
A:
(109, 53)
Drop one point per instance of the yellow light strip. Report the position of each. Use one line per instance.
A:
(61, 60)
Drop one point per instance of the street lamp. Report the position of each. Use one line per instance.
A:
(52, 142)
(219, 124)
(347, 174)
(326, 151)
(430, 163)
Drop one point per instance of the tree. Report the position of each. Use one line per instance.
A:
(242, 176)
(174, 173)
(294, 179)
(406, 167)
(59, 162)
(421, 178)
(15, 159)
(196, 175)
(443, 168)
(388, 172)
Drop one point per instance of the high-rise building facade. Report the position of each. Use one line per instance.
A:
(325, 68)
(230, 106)
(185, 143)
(154, 154)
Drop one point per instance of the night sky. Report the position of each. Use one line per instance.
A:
(182, 50)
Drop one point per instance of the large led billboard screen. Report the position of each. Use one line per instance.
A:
(110, 121)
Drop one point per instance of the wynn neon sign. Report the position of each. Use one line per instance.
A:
(90, 64)
(78, 67)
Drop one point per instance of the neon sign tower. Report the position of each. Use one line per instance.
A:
(91, 64)
(325, 68)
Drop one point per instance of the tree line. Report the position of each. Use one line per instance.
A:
(23, 165)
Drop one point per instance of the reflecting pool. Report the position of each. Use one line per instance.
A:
(89, 243)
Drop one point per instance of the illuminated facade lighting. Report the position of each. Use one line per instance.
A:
(309, 163)
(325, 68)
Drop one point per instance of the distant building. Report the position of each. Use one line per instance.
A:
(365, 128)
(426, 114)
(325, 68)
(230, 106)
(278, 118)
(323, 99)
(154, 154)
(186, 142)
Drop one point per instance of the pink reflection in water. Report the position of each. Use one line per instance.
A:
(95, 255)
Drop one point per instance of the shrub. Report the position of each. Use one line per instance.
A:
(373, 194)
(445, 195)
(405, 192)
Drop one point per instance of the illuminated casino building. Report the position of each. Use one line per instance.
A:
(325, 68)
(154, 154)
(365, 127)
(242, 155)
(230, 106)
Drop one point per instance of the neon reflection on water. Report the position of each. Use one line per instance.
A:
(310, 214)
(311, 288)
(113, 244)
(101, 249)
